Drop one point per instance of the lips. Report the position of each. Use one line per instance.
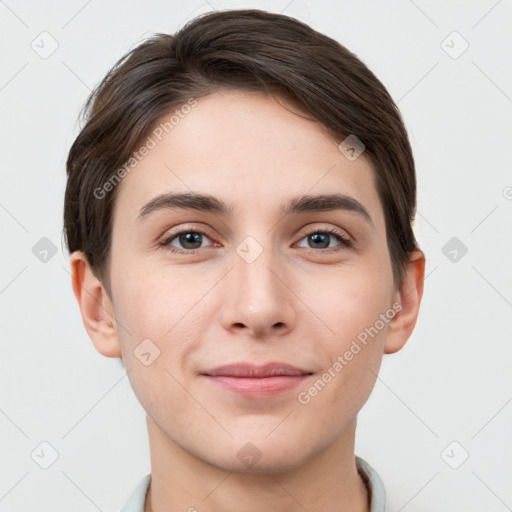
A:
(247, 370)
(256, 382)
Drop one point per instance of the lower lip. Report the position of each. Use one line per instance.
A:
(261, 387)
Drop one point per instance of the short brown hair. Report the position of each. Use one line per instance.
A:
(246, 50)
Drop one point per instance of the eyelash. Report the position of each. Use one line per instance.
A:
(345, 243)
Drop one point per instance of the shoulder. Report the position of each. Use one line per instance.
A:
(374, 484)
(135, 502)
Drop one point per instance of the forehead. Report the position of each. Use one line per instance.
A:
(252, 150)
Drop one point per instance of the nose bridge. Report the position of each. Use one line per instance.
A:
(259, 299)
(253, 268)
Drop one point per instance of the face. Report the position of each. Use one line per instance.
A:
(251, 283)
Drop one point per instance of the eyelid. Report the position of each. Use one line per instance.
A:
(327, 229)
(179, 228)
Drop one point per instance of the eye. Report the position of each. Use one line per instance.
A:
(190, 241)
(320, 239)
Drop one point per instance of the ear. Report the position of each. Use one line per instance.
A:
(409, 296)
(95, 306)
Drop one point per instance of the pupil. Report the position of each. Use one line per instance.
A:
(190, 238)
(317, 237)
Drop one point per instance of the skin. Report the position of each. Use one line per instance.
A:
(296, 303)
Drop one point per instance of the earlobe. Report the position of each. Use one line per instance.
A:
(95, 306)
(409, 296)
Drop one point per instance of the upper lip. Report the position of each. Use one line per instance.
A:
(255, 372)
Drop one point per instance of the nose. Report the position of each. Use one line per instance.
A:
(259, 302)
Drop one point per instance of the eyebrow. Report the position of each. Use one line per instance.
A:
(209, 203)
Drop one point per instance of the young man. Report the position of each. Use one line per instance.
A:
(239, 212)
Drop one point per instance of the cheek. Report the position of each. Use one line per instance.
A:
(352, 304)
(155, 335)
(149, 299)
(349, 300)
(352, 355)
(162, 306)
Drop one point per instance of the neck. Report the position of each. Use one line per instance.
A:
(327, 482)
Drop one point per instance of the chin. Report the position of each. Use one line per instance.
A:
(261, 457)
(264, 466)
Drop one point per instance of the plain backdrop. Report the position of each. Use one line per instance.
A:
(437, 426)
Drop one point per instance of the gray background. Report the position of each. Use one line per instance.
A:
(450, 383)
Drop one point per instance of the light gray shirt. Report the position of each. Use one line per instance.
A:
(371, 478)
